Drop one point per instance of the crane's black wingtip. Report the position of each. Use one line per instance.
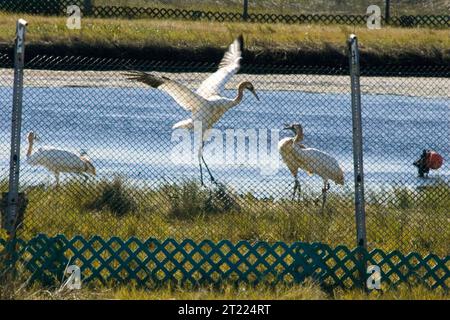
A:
(147, 78)
(132, 74)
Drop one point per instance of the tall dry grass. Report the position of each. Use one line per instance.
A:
(305, 291)
(403, 219)
(112, 33)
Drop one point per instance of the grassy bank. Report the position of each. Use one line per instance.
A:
(305, 291)
(269, 43)
(401, 219)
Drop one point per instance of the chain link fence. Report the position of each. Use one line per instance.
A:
(147, 178)
(423, 14)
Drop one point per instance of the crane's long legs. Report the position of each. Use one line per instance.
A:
(85, 176)
(200, 159)
(209, 172)
(326, 187)
(201, 171)
(57, 179)
(297, 188)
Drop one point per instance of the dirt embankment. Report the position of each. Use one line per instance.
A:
(330, 56)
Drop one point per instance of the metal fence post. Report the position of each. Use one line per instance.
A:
(16, 123)
(387, 11)
(87, 8)
(245, 12)
(360, 213)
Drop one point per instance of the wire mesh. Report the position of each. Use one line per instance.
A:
(418, 118)
(423, 13)
(147, 179)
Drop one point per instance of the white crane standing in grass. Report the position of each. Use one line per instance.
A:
(206, 105)
(57, 160)
(296, 156)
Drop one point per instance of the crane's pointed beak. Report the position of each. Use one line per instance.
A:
(254, 93)
(287, 127)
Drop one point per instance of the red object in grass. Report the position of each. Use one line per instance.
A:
(434, 160)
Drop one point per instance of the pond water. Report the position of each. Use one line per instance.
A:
(127, 131)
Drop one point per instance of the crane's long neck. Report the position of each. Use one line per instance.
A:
(234, 102)
(30, 147)
(240, 95)
(298, 137)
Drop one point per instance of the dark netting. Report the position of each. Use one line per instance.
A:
(147, 178)
(323, 14)
(402, 117)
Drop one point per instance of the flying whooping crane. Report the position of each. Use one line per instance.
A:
(296, 156)
(206, 104)
(57, 160)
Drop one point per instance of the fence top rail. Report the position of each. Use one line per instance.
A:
(84, 63)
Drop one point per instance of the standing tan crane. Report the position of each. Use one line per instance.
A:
(296, 156)
(58, 160)
(206, 104)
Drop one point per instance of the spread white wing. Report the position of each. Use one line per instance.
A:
(182, 95)
(230, 64)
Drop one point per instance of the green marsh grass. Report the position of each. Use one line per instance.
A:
(399, 219)
(305, 291)
(140, 33)
(403, 219)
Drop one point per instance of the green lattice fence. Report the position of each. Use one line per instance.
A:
(153, 262)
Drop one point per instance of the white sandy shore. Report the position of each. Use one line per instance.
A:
(412, 86)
